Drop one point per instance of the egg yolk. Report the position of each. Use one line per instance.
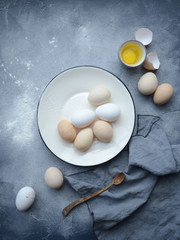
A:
(131, 53)
(129, 56)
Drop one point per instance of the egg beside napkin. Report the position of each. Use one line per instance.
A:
(148, 84)
(145, 159)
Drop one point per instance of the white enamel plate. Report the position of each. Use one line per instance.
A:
(67, 93)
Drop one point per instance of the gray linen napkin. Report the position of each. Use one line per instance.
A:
(150, 154)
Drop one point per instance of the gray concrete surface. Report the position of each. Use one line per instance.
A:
(38, 40)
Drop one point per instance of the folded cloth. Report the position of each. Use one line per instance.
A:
(151, 148)
(148, 156)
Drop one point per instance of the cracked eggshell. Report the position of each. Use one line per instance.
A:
(152, 61)
(148, 83)
(144, 35)
(25, 198)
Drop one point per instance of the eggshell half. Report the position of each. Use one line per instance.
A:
(103, 131)
(25, 198)
(84, 139)
(163, 94)
(144, 35)
(147, 84)
(108, 112)
(54, 177)
(152, 61)
(99, 95)
(83, 118)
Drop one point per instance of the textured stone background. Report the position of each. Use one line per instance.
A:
(38, 40)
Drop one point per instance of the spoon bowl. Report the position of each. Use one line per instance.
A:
(119, 178)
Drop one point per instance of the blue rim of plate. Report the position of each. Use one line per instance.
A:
(88, 66)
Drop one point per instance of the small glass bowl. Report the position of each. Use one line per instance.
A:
(138, 44)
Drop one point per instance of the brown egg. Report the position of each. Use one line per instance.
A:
(67, 131)
(103, 131)
(163, 94)
(84, 139)
(54, 177)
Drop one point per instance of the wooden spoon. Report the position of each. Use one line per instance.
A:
(117, 180)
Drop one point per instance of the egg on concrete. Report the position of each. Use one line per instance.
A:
(108, 112)
(54, 177)
(163, 94)
(67, 131)
(83, 118)
(84, 139)
(25, 198)
(103, 131)
(99, 95)
(148, 83)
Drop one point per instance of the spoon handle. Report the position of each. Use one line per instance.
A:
(67, 209)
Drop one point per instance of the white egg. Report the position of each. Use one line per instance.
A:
(148, 83)
(25, 198)
(82, 118)
(108, 112)
(99, 95)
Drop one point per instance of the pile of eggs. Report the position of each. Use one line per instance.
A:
(148, 83)
(86, 123)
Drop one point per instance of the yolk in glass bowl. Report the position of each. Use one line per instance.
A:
(131, 53)
(129, 56)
